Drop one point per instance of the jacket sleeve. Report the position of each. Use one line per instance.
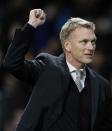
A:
(14, 61)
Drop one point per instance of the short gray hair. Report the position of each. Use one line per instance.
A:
(71, 25)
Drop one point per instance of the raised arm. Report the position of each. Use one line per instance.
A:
(14, 60)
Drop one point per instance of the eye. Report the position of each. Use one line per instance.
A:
(84, 42)
(93, 43)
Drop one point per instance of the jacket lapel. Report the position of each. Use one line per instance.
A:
(65, 72)
(94, 96)
(65, 78)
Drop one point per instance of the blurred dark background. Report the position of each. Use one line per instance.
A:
(14, 14)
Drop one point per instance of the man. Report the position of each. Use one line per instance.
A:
(67, 95)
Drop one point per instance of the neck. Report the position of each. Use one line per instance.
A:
(73, 62)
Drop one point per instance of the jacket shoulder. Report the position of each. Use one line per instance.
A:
(98, 75)
(99, 78)
(45, 58)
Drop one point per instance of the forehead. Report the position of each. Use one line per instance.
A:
(82, 32)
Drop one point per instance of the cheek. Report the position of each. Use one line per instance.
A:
(77, 53)
(75, 49)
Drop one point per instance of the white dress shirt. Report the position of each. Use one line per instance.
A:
(72, 70)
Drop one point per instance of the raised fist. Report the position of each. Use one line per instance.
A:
(37, 17)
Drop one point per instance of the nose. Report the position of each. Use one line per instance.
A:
(91, 46)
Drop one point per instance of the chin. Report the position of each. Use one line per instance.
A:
(88, 61)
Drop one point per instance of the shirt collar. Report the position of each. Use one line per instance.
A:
(72, 68)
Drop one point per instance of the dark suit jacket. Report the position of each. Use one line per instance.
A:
(49, 77)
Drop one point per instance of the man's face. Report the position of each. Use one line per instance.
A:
(81, 46)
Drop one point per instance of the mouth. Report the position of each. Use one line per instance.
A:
(89, 55)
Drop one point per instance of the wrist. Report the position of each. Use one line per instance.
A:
(28, 28)
(33, 24)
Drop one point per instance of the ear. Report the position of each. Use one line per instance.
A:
(67, 46)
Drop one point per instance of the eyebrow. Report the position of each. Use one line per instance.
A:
(88, 39)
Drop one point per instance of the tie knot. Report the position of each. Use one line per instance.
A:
(80, 74)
